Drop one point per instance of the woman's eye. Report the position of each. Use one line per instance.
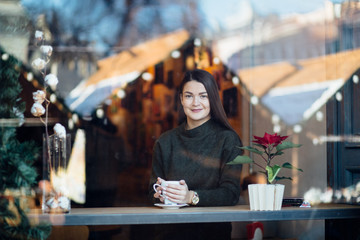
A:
(188, 96)
(203, 96)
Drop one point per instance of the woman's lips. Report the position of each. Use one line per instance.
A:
(195, 110)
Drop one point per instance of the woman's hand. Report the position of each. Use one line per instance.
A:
(159, 190)
(178, 193)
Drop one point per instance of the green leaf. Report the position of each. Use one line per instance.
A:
(288, 165)
(286, 145)
(259, 145)
(241, 160)
(272, 172)
(278, 153)
(281, 178)
(252, 149)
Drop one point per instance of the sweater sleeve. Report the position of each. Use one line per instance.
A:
(228, 190)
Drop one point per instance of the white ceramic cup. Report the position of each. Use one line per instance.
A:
(165, 184)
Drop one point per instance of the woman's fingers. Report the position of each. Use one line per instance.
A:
(177, 193)
(172, 196)
(175, 189)
(158, 195)
(159, 180)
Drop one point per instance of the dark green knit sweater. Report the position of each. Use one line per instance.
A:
(199, 157)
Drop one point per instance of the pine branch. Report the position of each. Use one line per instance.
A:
(16, 159)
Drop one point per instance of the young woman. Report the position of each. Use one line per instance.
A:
(196, 153)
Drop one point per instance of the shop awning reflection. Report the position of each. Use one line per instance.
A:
(296, 91)
(122, 68)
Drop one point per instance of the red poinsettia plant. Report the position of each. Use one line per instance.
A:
(268, 147)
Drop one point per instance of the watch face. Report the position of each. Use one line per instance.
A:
(195, 199)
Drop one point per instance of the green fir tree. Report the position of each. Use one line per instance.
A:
(16, 158)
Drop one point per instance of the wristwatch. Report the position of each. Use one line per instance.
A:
(195, 199)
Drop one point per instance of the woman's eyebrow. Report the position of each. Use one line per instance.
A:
(201, 93)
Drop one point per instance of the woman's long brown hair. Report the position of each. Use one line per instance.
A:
(216, 108)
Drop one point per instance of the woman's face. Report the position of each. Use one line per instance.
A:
(195, 102)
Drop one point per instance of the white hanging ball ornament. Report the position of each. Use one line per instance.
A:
(319, 116)
(355, 79)
(254, 100)
(277, 128)
(275, 119)
(235, 80)
(71, 124)
(216, 60)
(30, 76)
(297, 128)
(5, 57)
(121, 94)
(53, 98)
(75, 118)
(100, 113)
(147, 76)
(175, 54)
(197, 42)
(338, 96)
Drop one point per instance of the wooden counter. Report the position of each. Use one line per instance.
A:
(155, 215)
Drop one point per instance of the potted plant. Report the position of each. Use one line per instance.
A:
(267, 196)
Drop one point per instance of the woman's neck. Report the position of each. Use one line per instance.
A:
(191, 124)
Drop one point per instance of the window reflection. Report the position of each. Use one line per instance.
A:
(295, 73)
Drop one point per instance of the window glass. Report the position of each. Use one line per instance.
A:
(285, 67)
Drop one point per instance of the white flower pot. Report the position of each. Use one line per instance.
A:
(266, 197)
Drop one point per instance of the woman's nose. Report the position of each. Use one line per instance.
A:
(196, 100)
